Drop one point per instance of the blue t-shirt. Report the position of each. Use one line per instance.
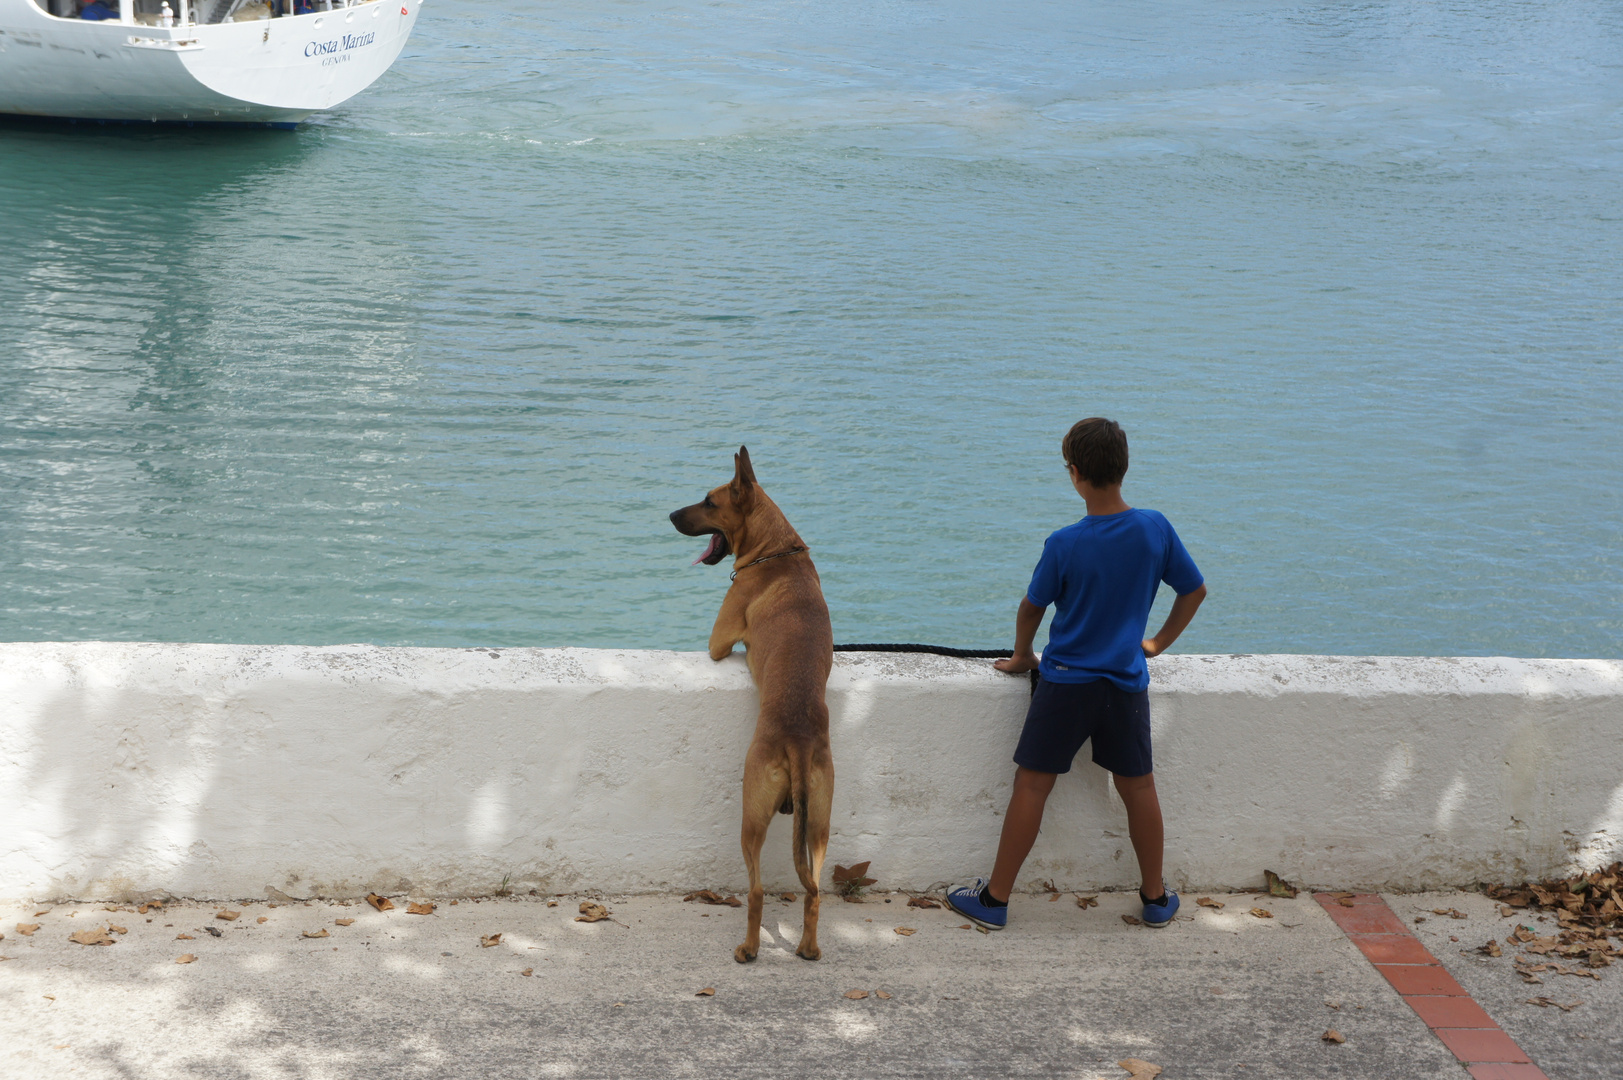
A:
(1101, 575)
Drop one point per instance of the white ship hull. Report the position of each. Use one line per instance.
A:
(266, 71)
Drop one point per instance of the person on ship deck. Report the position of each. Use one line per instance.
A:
(96, 11)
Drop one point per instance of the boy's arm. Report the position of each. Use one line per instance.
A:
(1026, 622)
(1183, 610)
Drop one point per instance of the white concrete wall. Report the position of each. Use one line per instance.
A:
(231, 771)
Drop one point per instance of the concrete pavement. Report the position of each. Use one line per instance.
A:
(1064, 992)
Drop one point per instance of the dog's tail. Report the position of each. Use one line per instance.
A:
(799, 780)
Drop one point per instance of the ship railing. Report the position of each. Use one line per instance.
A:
(184, 14)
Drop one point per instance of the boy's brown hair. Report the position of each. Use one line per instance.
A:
(1098, 449)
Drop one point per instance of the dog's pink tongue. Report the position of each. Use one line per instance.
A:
(709, 549)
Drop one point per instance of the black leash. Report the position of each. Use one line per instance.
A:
(938, 650)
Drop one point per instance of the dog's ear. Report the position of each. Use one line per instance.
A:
(743, 475)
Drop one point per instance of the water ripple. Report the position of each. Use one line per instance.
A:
(434, 369)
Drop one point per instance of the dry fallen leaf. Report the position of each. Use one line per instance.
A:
(1525, 970)
(150, 905)
(111, 929)
(1452, 913)
(709, 991)
(213, 931)
(344, 922)
(1333, 1036)
(26, 929)
(1262, 913)
(853, 877)
(788, 897)
(419, 909)
(1490, 949)
(228, 916)
(186, 959)
(1559, 970)
(856, 995)
(923, 902)
(1278, 886)
(1544, 1002)
(184, 937)
(1132, 920)
(1346, 901)
(550, 903)
(906, 931)
(1597, 959)
(382, 903)
(487, 942)
(590, 912)
(263, 919)
(880, 994)
(97, 936)
(1085, 902)
(527, 972)
(1138, 1069)
(1206, 901)
(709, 897)
(965, 926)
(317, 933)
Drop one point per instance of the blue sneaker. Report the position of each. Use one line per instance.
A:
(966, 901)
(1160, 914)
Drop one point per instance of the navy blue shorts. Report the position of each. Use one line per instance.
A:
(1063, 716)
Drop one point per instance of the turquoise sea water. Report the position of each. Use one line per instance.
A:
(433, 369)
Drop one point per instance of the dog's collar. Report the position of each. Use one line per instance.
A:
(765, 558)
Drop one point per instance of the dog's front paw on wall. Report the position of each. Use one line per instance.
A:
(743, 954)
(809, 952)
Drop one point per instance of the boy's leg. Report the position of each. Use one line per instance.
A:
(1049, 741)
(1143, 825)
(1020, 825)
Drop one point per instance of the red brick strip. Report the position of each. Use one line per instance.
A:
(1441, 1003)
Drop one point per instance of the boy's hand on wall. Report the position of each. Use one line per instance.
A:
(1018, 664)
(1026, 621)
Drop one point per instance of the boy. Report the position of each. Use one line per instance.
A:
(1102, 575)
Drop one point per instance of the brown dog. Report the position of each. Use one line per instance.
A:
(775, 607)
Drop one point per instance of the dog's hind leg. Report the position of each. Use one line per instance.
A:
(765, 785)
(811, 844)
